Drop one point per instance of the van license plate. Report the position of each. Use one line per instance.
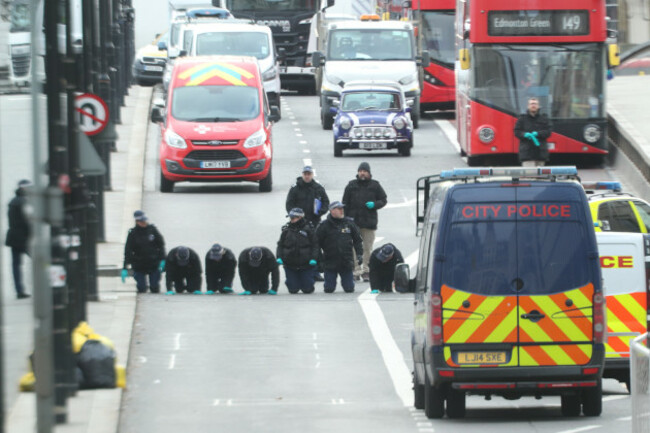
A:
(372, 146)
(153, 68)
(481, 357)
(215, 164)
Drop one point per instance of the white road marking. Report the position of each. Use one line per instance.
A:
(157, 381)
(317, 364)
(315, 346)
(314, 336)
(295, 123)
(426, 430)
(177, 341)
(298, 135)
(399, 372)
(292, 117)
(172, 361)
(615, 397)
(306, 161)
(303, 141)
(450, 133)
(19, 98)
(423, 424)
(142, 359)
(412, 259)
(229, 402)
(624, 418)
(317, 356)
(216, 402)
(306, 151)
(407, 203)
(297, 129)
(378, 239)
(580, 429)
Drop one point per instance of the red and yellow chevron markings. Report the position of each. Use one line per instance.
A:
(205, 71)
(626, 318)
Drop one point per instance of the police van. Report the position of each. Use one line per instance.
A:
(508, 290)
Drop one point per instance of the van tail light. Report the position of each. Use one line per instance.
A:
(436, 320)
(599, 318)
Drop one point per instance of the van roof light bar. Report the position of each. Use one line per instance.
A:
(609, 185)
(541, 172)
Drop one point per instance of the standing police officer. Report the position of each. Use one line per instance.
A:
(18, 235)
(337, 236)
(145, 252)
(298, 251)
(308, 195)
(220, 264)
(382, 267)
(183, 271)
(255, 265)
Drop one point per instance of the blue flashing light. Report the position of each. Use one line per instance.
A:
(509, 172)
(610, 185)
(563, 171)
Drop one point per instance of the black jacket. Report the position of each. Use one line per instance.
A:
(357, 193)
(382, 274)
(223, 269)
(249, 275)
(144, 248)
(527, 149)
(297, 245)
(337, 237)
(302, 195)
(174, 271)
(19, 229)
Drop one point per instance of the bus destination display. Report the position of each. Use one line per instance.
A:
(538, 23)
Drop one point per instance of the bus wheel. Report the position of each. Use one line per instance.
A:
(592, 400)
(434, 401)
(570, 405)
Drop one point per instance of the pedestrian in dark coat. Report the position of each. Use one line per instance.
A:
(145, 252)
(308, 195)
(183, 271)
(532, 129)
(298, 252)
(362, 198)
(220, 264)
(18, 235)
(255, 265)
(382, 267)
(337, 238)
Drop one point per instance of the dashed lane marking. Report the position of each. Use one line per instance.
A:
(581, 429)
(172, 361)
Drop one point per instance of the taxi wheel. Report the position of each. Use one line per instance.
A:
(326, 121)
(455, 404)
(418, 392)
(266, 184)
(416, 121)
(338, 149)
(592, 400)
(165, 184)
(404, 149)
(570, 405)
(434, 401)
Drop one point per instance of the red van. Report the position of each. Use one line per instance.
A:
(216, 124)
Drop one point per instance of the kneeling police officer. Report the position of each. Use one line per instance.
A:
(220, 264)
(183, 269)
(255, 265)
(382, 267)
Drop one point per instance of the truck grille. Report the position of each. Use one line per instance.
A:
(20, 65)
(160, 61)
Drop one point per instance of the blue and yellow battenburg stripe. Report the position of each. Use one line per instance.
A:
(200, 73)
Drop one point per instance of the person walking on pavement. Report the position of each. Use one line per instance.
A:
(298, 252)
(145, 252)
(183, 271)
(337, 237)
(532, 129)
(220, 264)
(363, 197)
(382, 267)
(255, 265)
(18, 235)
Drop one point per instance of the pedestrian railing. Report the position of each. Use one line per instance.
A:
(640, 381)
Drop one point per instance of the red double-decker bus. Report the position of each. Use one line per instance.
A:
(509, 51)
(436, 35)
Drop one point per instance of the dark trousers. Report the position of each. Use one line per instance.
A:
(254, 286)
(347, 280)
(16, 265)
(184, 283)
(216, 283)
(299, 279)
(141, 281)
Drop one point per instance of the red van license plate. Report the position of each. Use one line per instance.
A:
(481, 357)
(215, 164)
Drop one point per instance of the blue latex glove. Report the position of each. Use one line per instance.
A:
(279, 260)
(161, 266)
(245, 292)
(535, 133)
(374, 292)
(209, 292)
(198, 292)
(125, 274)
(528, 135)
(272, 292)
(370, 204)
(312, 262)
(535, 140)
(170, 292)
(227, 290)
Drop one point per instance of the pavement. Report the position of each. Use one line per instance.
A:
(98, 411)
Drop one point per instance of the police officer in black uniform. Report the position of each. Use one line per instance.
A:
(220, 264)
(298, 252)
(145, 252)
(18, 235)
(255, 265)
(337, 236)
(183, 269)
(382, 267)
(308, 195)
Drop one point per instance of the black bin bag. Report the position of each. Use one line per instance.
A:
(97, 364)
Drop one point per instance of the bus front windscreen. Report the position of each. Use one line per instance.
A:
(439, 36)
(567, 79)
(275, 5)
(376, 44)
(20, 18)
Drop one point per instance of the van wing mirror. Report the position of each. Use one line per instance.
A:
(402, 278)
(424, 59)
(463, 57)
(274, 116)
(157, 115)
(182, 53)
(162, 46)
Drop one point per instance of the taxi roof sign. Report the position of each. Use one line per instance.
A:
(516, 172)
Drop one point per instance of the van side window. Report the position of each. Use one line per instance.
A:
(623, 218)
(644, 213)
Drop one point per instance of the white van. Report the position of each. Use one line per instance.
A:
(225, 38)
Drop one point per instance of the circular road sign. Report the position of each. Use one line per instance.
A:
(93, 113)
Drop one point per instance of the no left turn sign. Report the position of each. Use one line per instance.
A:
(93, 113)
